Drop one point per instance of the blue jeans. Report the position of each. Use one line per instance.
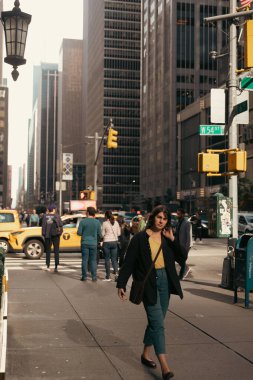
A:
(154, 334)
(89, 253)
(111, 252)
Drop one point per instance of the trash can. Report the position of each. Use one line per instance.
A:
(243, 273)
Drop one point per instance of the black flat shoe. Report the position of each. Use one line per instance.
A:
(168, 375)
(148, 363)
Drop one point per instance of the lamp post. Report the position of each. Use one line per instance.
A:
(15, 25)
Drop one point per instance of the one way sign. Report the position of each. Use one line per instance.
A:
(242, 108)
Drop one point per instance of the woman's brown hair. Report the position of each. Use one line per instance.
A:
(156, 211)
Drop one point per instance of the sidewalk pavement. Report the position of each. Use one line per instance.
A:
(62, 328)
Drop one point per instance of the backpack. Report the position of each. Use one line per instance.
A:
(56, 228)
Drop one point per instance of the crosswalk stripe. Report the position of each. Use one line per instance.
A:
(67, 265)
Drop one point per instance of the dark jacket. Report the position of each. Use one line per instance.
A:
(138, 260)
(51, 225)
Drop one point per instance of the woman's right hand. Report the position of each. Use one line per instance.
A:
(122, 294)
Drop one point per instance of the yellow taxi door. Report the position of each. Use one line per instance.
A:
(69, 239)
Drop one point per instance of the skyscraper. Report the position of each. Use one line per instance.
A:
(176, 70)
(112, 35)
(45, 127)
(70, 129)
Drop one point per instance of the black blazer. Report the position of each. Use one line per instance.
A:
(138, 260)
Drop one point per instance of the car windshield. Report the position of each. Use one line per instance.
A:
(6, 218)
(69, 223)
(249, 218)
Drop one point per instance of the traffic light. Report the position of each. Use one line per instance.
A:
(248, 43)
(84, 195)
(237, 161)
(208, 163)
(112, 138)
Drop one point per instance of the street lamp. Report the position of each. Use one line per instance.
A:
(15, 25)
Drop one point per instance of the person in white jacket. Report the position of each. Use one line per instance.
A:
(110, 233)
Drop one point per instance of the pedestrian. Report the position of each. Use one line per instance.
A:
(90, 231)
(52, 230)
(26, 218)
(110, 234)
(183, 236)
(141, 223)
(124, 239)
(162, 281)
(196, 220)
(34, 219)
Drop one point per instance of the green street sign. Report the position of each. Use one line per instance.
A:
(211, 130)
(247, 83)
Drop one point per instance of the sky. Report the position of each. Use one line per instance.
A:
(52, 20)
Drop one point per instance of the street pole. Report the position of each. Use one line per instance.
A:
(232, 125)
(96, 167)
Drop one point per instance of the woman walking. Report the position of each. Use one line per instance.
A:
(161, 283)
(110, 234)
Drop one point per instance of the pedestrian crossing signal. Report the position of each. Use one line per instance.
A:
(208, 163)
(237, 161)
(87, 195)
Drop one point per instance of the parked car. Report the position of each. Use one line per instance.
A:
(245, 223)
(9, 221)
(30, 240)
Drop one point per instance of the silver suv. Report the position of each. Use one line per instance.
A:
(245, 223)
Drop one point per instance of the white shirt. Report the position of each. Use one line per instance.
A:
(110, 232)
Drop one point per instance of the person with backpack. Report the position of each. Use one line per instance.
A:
(52, 230)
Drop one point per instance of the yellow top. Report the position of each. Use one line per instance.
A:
(154, 246)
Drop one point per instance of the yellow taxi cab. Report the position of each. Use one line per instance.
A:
(9, 221)
(30, 240)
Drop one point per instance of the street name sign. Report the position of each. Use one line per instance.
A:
(211, 130)
(247, 83)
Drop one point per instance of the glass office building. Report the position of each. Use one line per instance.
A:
(112, 38)
(45, 126)
(176, 71)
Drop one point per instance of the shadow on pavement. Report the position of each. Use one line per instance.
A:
(212, 285)
(229, 299)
